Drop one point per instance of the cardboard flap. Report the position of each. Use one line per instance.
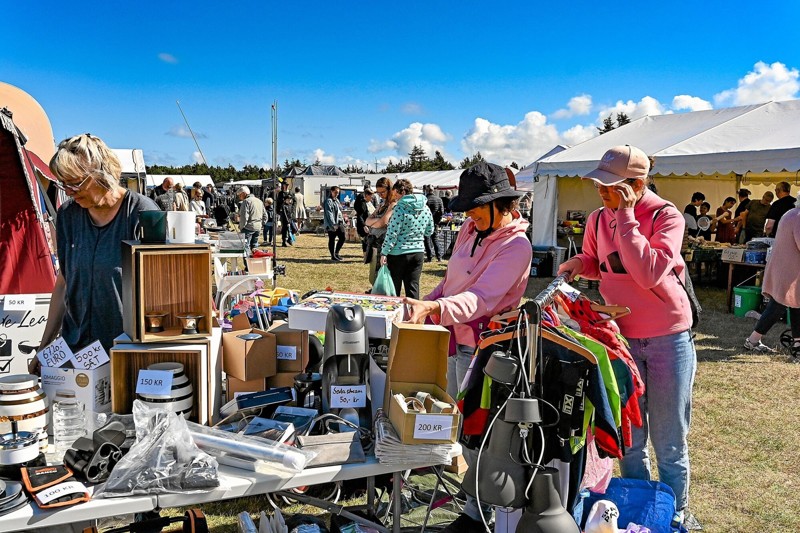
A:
(418, 353)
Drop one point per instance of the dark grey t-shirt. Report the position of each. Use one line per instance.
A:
(91, 262)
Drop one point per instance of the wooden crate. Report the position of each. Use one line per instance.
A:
(128, 359)
(165, 278)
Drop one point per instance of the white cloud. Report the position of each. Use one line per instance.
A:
(412, 108)
(762, 84)
(184, 133)
(168, 58)
(646, 106)
(690, 103)
(577, 105)
(320, 155)
(429, 136)
(502, 144)
(197, 157)
(579, 133)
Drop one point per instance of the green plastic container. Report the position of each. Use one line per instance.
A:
(746, 299)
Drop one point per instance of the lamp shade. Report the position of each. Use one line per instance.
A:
(545, 513)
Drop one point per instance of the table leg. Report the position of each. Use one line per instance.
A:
(730, 289)
(397, 504)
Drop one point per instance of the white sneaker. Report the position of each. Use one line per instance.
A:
(760, 347)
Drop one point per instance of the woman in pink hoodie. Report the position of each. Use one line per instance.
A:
(487, 274)
(632, 245)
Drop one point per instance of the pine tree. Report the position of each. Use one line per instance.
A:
(608, 125)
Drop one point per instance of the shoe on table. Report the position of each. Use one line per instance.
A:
(465, 524)
(759, 347)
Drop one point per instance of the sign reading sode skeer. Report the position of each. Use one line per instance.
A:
(154, 382)
(433, 427)
(348, 396)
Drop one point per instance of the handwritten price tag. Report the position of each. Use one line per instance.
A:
(90, 357)
(348, 396)
(433, 427)
(20, 302)
(287, 353)
(55, 354)
(154, 382)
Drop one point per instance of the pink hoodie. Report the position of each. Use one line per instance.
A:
(492, 281)
(647, 252)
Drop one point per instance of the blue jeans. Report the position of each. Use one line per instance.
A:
(667, 365)
(251, 238)
(457, 367)
(268, 232)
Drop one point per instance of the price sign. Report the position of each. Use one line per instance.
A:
(433, 427)
(62, 489)
(154, 382)
(55, 354)
(348, 396)
(90, 357)
(569, 291)
(19, 302)
(287, 353)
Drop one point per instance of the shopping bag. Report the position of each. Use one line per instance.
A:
(383, 283)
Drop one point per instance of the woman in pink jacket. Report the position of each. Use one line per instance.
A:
(632, 245)
(487, 274)
(782, 285)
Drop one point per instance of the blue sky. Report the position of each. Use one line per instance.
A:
(360, 82)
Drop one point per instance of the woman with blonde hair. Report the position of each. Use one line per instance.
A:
(99, 214)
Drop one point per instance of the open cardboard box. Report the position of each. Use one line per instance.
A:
(311, 314)
(418, 363)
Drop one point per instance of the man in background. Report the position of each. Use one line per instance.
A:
(209, 197)
(738, 218)
(691, 209)
(251, 216)
(755, 216)
(164, 195)
(436, 206)
(784, 203)
(363, 207)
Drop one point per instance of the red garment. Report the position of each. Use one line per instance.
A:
(726, 231)
(608, 334)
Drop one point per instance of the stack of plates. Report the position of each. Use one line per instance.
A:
(23, 402)
(12, 497)
(181, 397)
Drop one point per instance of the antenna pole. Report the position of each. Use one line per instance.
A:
(275, 206)
(190, 131)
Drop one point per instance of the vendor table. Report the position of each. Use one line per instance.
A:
(235, 483)
(731, 266)
(704, 264)
(31, 516)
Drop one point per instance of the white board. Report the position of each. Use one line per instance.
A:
(20, 333)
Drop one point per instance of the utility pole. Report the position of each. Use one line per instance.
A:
(275, 194)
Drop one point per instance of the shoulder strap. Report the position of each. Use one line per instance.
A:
(597, 221)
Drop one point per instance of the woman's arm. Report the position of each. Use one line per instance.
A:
(392, 234)
(382, 221)
(55, 316)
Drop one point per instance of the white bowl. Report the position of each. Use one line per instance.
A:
(182, 406)
(180, 392)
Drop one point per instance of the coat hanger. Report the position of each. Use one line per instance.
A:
(546, 334)
(613, 311)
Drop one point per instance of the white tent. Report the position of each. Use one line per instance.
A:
(524, 177)
(714, 152)
(440, 179)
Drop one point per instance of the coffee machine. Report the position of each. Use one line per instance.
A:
(345, 365)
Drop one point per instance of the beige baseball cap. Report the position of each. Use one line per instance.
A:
(620, 163)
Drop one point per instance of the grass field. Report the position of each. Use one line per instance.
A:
(745, 423)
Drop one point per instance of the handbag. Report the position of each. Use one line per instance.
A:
(384, 284)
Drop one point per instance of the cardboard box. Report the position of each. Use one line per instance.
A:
(92, 388)
(128, 359)
(249, 359)
(291, 347)
(281, 379)
(418, 363)
(311, 314)
(235, 386)
(733, 255)
(457, 466)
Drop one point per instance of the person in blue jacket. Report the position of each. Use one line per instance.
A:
(403, 247)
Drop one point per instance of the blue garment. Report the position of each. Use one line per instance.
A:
(410, 223)
(667, 365)
(91, 263)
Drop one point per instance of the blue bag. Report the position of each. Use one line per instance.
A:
(646, 503)
(384, 284)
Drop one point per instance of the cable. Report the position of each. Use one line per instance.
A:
(478, 463)
(538, 464)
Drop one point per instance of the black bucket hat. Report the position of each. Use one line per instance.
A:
(481, 184)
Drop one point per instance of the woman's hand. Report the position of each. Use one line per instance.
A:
(419, 310)
(383, 260)
(571, 268)
(627, 196)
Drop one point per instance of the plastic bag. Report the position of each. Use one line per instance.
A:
(384, 285)
(164, 459)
